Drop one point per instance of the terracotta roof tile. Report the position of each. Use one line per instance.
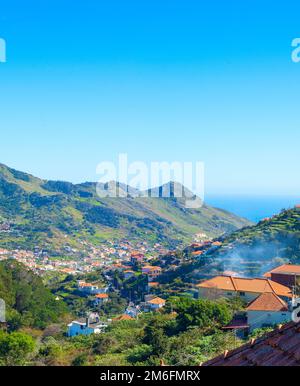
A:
(257, 285)
(277, 348)
(101, 296)
(267, 301)
(156, 301)
(289, 269)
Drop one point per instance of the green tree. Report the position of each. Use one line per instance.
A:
(15, 348)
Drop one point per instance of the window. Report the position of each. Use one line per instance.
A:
(229, 293)
(242, 294)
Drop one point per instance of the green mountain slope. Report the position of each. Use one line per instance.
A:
(51, 214)
(274, 238)
(251, 251)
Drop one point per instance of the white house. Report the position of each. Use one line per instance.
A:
(90, 289)
(155, 303)
(267, 310)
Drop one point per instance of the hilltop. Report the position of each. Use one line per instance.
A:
(51, 214)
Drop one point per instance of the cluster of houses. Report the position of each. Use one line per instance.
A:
(198, 249)
(100, 294)
(268, 299)
(151, 303)
(93, 325)
(85, 259)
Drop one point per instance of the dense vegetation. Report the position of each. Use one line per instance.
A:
(186, 331)
(28, 302)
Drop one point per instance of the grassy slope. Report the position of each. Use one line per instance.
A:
(51, 214)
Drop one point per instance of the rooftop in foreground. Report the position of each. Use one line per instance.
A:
(280, 347)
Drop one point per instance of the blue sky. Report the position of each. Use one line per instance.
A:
(161, 80)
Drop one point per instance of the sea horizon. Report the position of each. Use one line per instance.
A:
(253, 207)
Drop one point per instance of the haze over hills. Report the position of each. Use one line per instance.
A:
(251, 251)
(51, 214)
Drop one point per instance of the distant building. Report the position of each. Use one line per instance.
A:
(156, 303)
(151, 271)
(90, 289)
(100, 299)
(136, 258)
(91, 325)
(152, 285)
(132, 311)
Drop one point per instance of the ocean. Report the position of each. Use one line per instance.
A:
(254, 208)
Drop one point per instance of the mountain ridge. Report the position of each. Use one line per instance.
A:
(52, 213)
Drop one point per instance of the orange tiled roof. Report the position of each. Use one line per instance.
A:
(156, 301)
(101, 296)
(153, 284)
(258, 285)
(290, 269)
(267, 301)
(197, 253)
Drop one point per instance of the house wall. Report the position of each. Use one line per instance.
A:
(156, 306)
(100, 301)
(214, 293)
(258, 319)
(79, 329)
(285, 279)
(93, 290)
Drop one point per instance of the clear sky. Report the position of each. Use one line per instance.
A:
(161, 80)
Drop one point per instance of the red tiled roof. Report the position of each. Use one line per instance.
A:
(156, 301)
(257, 285)
(280, 347)
(267, 302)
(289, 269)
(153, 284)
(85, 285)
(197, 253)
(101, 296)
